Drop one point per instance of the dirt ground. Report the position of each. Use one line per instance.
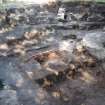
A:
(45, 61)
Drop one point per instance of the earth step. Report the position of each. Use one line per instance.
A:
(76, 25)
(41, 48)
(32, 53)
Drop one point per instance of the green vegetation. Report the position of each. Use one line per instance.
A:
(100, 0)
(84, 0)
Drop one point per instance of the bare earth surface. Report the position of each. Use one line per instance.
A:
(43, 47)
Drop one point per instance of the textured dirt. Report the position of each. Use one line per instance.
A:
(86, 87)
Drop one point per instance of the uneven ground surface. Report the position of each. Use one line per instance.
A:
(35, 39)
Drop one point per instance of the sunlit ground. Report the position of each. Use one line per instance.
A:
(37, 1)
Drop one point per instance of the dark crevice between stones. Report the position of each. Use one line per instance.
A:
(104, 44)
(1, 84)
(71, 36)
(51, 80)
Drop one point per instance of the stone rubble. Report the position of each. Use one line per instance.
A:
(46, 61)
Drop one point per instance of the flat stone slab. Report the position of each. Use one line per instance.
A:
(16, 33)
(8, 97)
(55, 66)
(37, 71)
(34, 70)
(94, 42)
